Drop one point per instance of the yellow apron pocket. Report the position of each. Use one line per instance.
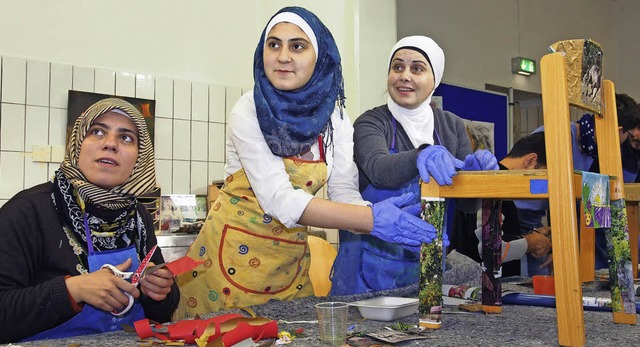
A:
(257, 263)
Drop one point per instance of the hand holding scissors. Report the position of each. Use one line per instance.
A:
(133, 276)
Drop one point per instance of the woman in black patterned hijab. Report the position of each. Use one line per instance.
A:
(107, 175)
(56, 236)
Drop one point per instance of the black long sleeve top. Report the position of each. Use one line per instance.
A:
(35, 257)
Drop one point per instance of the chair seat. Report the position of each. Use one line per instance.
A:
(322, 256)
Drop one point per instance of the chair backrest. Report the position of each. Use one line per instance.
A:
(322, 256)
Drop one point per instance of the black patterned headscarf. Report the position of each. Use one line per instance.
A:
(143, 177)
(111, 216)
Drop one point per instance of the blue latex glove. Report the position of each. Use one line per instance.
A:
(436, 161)
(480, 160)
(395, 220)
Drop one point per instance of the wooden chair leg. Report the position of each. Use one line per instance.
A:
(569, 309)
(587, 250)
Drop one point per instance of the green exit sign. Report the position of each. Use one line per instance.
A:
(523, 66)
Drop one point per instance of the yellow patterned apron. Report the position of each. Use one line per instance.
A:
(250, 257)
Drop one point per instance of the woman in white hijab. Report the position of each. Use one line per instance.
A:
(394, 145)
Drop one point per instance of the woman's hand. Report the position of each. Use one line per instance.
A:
(480, 160)
(157, 284)
(438, 162)
(102, 288)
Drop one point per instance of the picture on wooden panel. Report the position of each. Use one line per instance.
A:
(481, 135)
(591, 73)
(583, 64)
(80, 101)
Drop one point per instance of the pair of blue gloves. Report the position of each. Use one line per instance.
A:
(395, 219)
(438, 162)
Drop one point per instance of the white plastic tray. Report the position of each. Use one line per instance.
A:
(386, 308)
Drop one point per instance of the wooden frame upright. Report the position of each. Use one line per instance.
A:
(564, 187)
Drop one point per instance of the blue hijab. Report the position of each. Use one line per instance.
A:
(292, 120)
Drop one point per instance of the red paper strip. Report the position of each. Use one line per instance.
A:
(182, 265)
(143, 328)
(187, 330)
(229, 328)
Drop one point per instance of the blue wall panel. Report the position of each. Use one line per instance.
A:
(473, 104)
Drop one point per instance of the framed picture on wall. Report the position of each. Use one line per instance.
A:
(481, 134)
(178, 210)
(80, 101)
(201, 207)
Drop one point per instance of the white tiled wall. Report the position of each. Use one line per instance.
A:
(189, 128)
(190, 123)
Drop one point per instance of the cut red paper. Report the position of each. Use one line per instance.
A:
(182, 265)
(187, 330)
(143, 328)
(246, 329)
(228, 328)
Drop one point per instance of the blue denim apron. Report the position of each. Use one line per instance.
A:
(92, 320)
(366, 263)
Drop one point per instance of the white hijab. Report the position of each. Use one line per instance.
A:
(293, 18)
(418, 123)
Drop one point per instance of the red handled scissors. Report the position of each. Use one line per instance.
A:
(133, 276)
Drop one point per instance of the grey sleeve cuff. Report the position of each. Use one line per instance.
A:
(517, 249)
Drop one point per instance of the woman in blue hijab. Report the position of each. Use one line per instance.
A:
(286, 140)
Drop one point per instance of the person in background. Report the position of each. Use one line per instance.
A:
(634, 135)
(528, 153)
(635, 140)
(55, 237)
(585, 152)
(629, 131)
(395, 145)
(286, 140)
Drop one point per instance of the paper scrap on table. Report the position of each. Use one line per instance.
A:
(393, 336)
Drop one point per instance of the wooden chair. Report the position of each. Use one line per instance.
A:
(563, 188)
(322, 256)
